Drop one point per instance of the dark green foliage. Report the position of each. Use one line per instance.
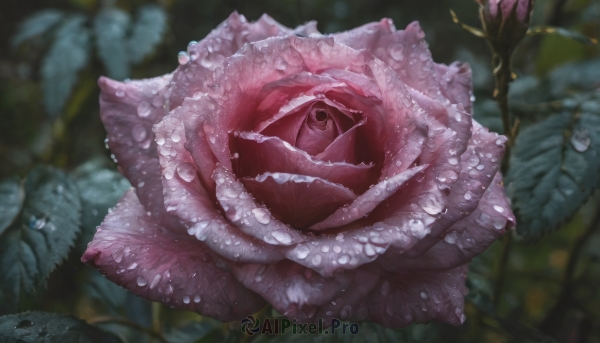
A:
(11, 199)
(41, 237)
(99, 188)
(110, 29)
(40, 327)
(554, 169)
(68, 54)
(36, 25)
(148, 30)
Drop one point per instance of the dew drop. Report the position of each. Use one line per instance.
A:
(580, 140)
(473, 160)
(302, 252)
(397, 52)
(316, 260)
(282, 237)
(280, 63)
(139, 133)
(117, 255)
(261, 215)
(186, 172)
(186, 299)
(183, 58)
(144, 109)
(197, 299)
(453, 161)
(155, 281)
(369, 249)
(499, 209)
(337, 249)
(343, 259)
(325, 248)
(468, 196)
(141, 281)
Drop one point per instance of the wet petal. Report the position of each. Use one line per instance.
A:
(298, 200)
(401, 299)
(456, 83)
(128, 110)
(152, 262)
(300, 293)
(343, 148)
(466, 238)
(366, 202)
(242, 210)
(259, 154)
(187, 198)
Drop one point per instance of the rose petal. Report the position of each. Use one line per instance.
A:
(466, 238)
(479, 164)
(187, 198)
(365, 203)
(219, 44)
(401, 299)
(300, 293)
(456, 83)
(298, 200)
(343, 148)
(404, 51)
(135, 252)
(242, 210)
(128, 110)
(259, 154)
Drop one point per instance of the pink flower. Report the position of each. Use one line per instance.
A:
(506, 21)
(338, 176)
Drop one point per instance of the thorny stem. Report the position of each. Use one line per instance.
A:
(130, 324)
(565, 299)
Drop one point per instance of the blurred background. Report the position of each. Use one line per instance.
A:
(53, 51)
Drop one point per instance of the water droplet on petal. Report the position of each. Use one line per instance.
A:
(337, 249)
(369, 250)
(183, 58)
(397, 52)
(197, 299)
(343, 259)
(155, 281)
(282, 237)
(498, 208)
(453, 161)
(144, 109)
(262, 216)
(316, 260)
(117, 255)
(186, 299)
(139, 133)
(302, 251)
(186, 171)
(141, 281)
(280, 63)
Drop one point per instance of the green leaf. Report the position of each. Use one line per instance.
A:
(110, 28)
(11, 199)
(100, 188)
(68, 54)
(41, 327)
(35, 25)
(48, 224)
(549, 30)
(148, 31)
(553, 170)
(194, 332)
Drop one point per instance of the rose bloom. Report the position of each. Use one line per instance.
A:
(331, 176)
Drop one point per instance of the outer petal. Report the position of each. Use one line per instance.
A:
(466, 238)
(187, 198)
(133, 251)
(298, 200)
(259, 154)
(401, 299)
(221, 43)
(128, 111)
(456, 83)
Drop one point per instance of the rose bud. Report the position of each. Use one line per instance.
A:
(506, 21)
(337, 176)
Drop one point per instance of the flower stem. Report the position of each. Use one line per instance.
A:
(503, 77)
(501, 271)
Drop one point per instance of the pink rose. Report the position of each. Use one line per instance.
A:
(331, 176)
